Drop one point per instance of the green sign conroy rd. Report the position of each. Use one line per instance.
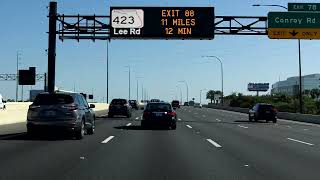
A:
(304, 7)
(294, 20)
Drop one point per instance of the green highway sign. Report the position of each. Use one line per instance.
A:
(304, 7)
(309, 20)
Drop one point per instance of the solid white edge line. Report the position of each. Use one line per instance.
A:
(129, 124)
(107, 140)
(179, 119)
(214, 143)
(189, 126)
(300, 141)
(218, 120)
(243, 126)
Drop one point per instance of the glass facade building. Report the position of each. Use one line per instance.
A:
(290, 86)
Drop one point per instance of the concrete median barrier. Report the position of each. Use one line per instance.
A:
(16, 112)
(308, 118)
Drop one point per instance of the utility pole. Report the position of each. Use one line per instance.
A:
(52, 46)
(300, 80)
(107, 71)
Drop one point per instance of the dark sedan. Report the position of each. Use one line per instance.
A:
(159, 114)
(263, 111)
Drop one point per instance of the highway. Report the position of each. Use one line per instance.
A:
(208, 144)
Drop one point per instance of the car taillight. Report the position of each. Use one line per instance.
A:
(70, 107)
(274, 110)
(172, 114)
(146, 113)
(32, 107)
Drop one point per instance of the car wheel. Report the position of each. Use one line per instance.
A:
(91, 129)
(128, 115)
(174, 127)
(250, 118)
(30, 132)
(143, 124)
(80, 133)
(274, 120)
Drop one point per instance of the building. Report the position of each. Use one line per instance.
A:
(290, 86)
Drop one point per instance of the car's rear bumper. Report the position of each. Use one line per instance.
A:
(53, 126)
(267, 117)
(159, 122)
(118, 112)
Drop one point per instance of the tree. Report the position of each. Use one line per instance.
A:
(210, 95)
(306, 92)
(315, 93)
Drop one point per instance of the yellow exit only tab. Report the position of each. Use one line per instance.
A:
(293, 33)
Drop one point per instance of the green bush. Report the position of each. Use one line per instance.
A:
(245, 105)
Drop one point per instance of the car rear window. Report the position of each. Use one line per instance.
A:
(119, 101)
(175, 102)
(52, 99)
(159, 107)
(266, 107)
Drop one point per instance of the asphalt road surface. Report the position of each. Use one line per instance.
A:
(208, 144)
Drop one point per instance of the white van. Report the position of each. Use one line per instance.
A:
(2, 103)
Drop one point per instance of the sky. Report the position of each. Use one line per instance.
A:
(159, 63)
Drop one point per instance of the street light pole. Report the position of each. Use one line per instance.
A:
(201, 93)
(138, 88)
(129, 83)
(17, 77)
(221, 66)
(187, 89)
(299, 47)
(180, 93)
(129, 80)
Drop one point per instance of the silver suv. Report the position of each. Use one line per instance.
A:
(61, 111)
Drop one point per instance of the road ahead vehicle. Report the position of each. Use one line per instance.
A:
(197, 105)
(175, 104)
(2, 103)
(263, 111)
(120, 107)
(159, 114)
(134, 104)
(61, 111)
(186, 104)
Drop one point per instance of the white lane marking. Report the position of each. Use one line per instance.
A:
(300, 141)
(107, 140)
(218, 120)
(204, 116)
(137, 118)
(179, 119)
(214, 143)
(189, 126)
(243, 126)
(129, 124)
(196, 113)
(247, 165)
(305, 129)
(82, 158)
